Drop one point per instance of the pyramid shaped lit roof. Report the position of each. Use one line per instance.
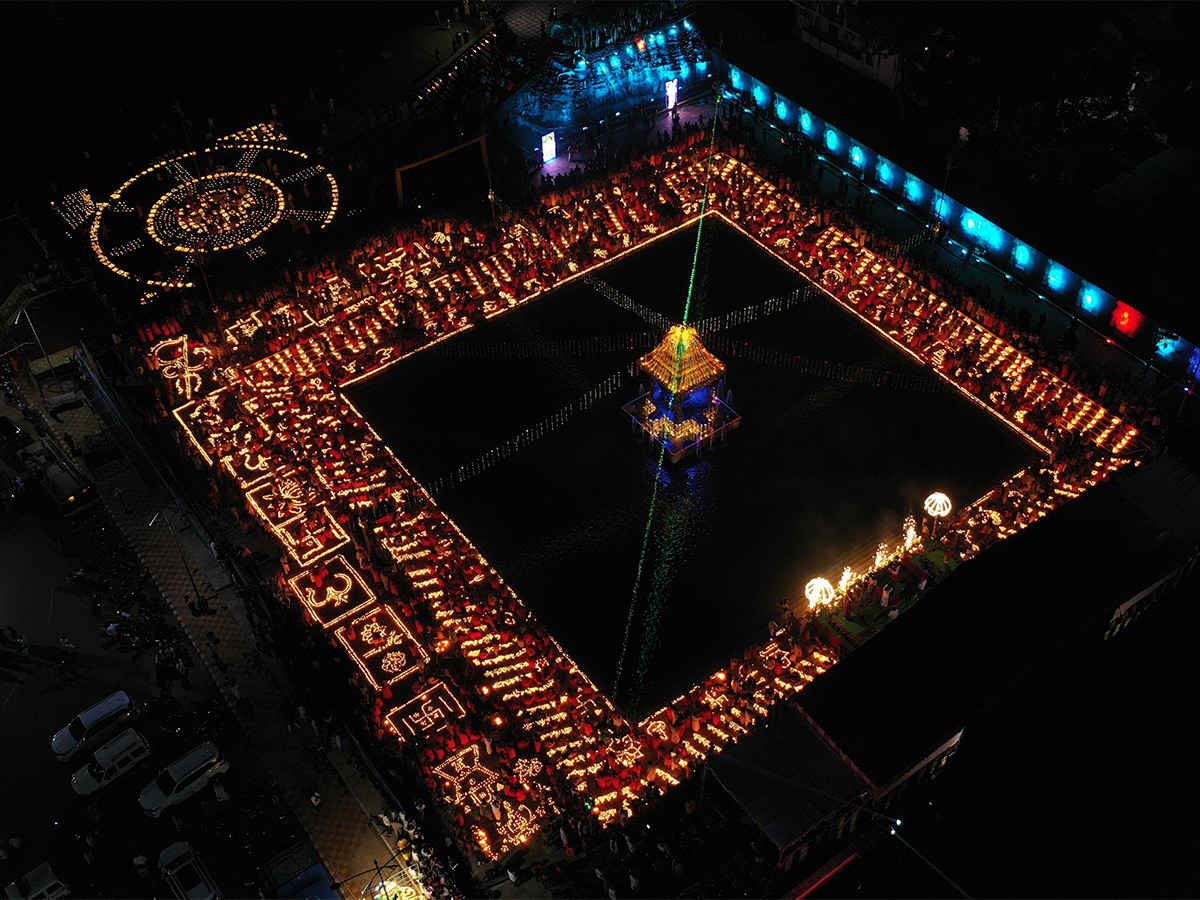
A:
(681, 349)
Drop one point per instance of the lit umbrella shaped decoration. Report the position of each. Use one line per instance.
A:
(818, 592)
(938, 506)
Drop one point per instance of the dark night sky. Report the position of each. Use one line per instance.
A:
(102, 77)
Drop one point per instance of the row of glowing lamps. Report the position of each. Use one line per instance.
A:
(937, 507)
(1080, 402)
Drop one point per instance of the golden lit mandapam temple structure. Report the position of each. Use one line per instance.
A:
(683, 411)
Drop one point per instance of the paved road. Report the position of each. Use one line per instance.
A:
(262, 750)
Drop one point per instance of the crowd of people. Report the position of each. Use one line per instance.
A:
(348, 316)
(606, 23)
(582, 86)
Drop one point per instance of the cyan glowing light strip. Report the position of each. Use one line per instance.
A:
(1062, 283)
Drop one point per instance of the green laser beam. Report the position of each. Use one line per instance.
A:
(712, 143)
(637, 580)
(662, 453)
(673, 539)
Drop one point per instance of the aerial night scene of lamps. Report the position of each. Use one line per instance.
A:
(262, 422)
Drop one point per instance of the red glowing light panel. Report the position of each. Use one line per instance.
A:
(312, 536)
(383, 647)
(248, 465)
(280, 500)
(428, 712)
(332, 592)
(1126, 319)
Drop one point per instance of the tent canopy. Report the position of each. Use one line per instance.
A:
(789, 777)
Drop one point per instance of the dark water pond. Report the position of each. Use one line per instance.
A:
(819, 472)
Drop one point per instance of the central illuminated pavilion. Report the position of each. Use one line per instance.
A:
(683, 410)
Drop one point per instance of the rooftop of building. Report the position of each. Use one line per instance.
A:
(996, 620)
(789, 777)
(681, 362)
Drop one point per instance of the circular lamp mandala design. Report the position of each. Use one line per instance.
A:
(158, 226)
(216, 212)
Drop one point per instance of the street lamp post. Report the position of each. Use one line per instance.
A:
(25, 310)
(178, 546)
(893, 824)
(940, 203)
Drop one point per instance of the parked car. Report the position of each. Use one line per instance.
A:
(184, 777)
(95, 725)
(186, 874)
(120, 755)
(12, 436)
(40, 884)
(298, 872)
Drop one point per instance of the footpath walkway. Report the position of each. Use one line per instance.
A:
(255, 686)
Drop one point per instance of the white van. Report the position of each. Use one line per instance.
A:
(94, 725)
(40, 884)
(111, 761)
(186, 874)
(186, 776)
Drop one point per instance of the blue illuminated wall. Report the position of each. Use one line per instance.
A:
(887, 174)
(916, 192)
(691, 405)
(985, 234)
(945, 210)
(1094, 301)
(1023, 257)
(1049, 278)
(785, 110)
(833, 141)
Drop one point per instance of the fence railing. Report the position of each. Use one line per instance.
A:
(556, 420)
(909, 381)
